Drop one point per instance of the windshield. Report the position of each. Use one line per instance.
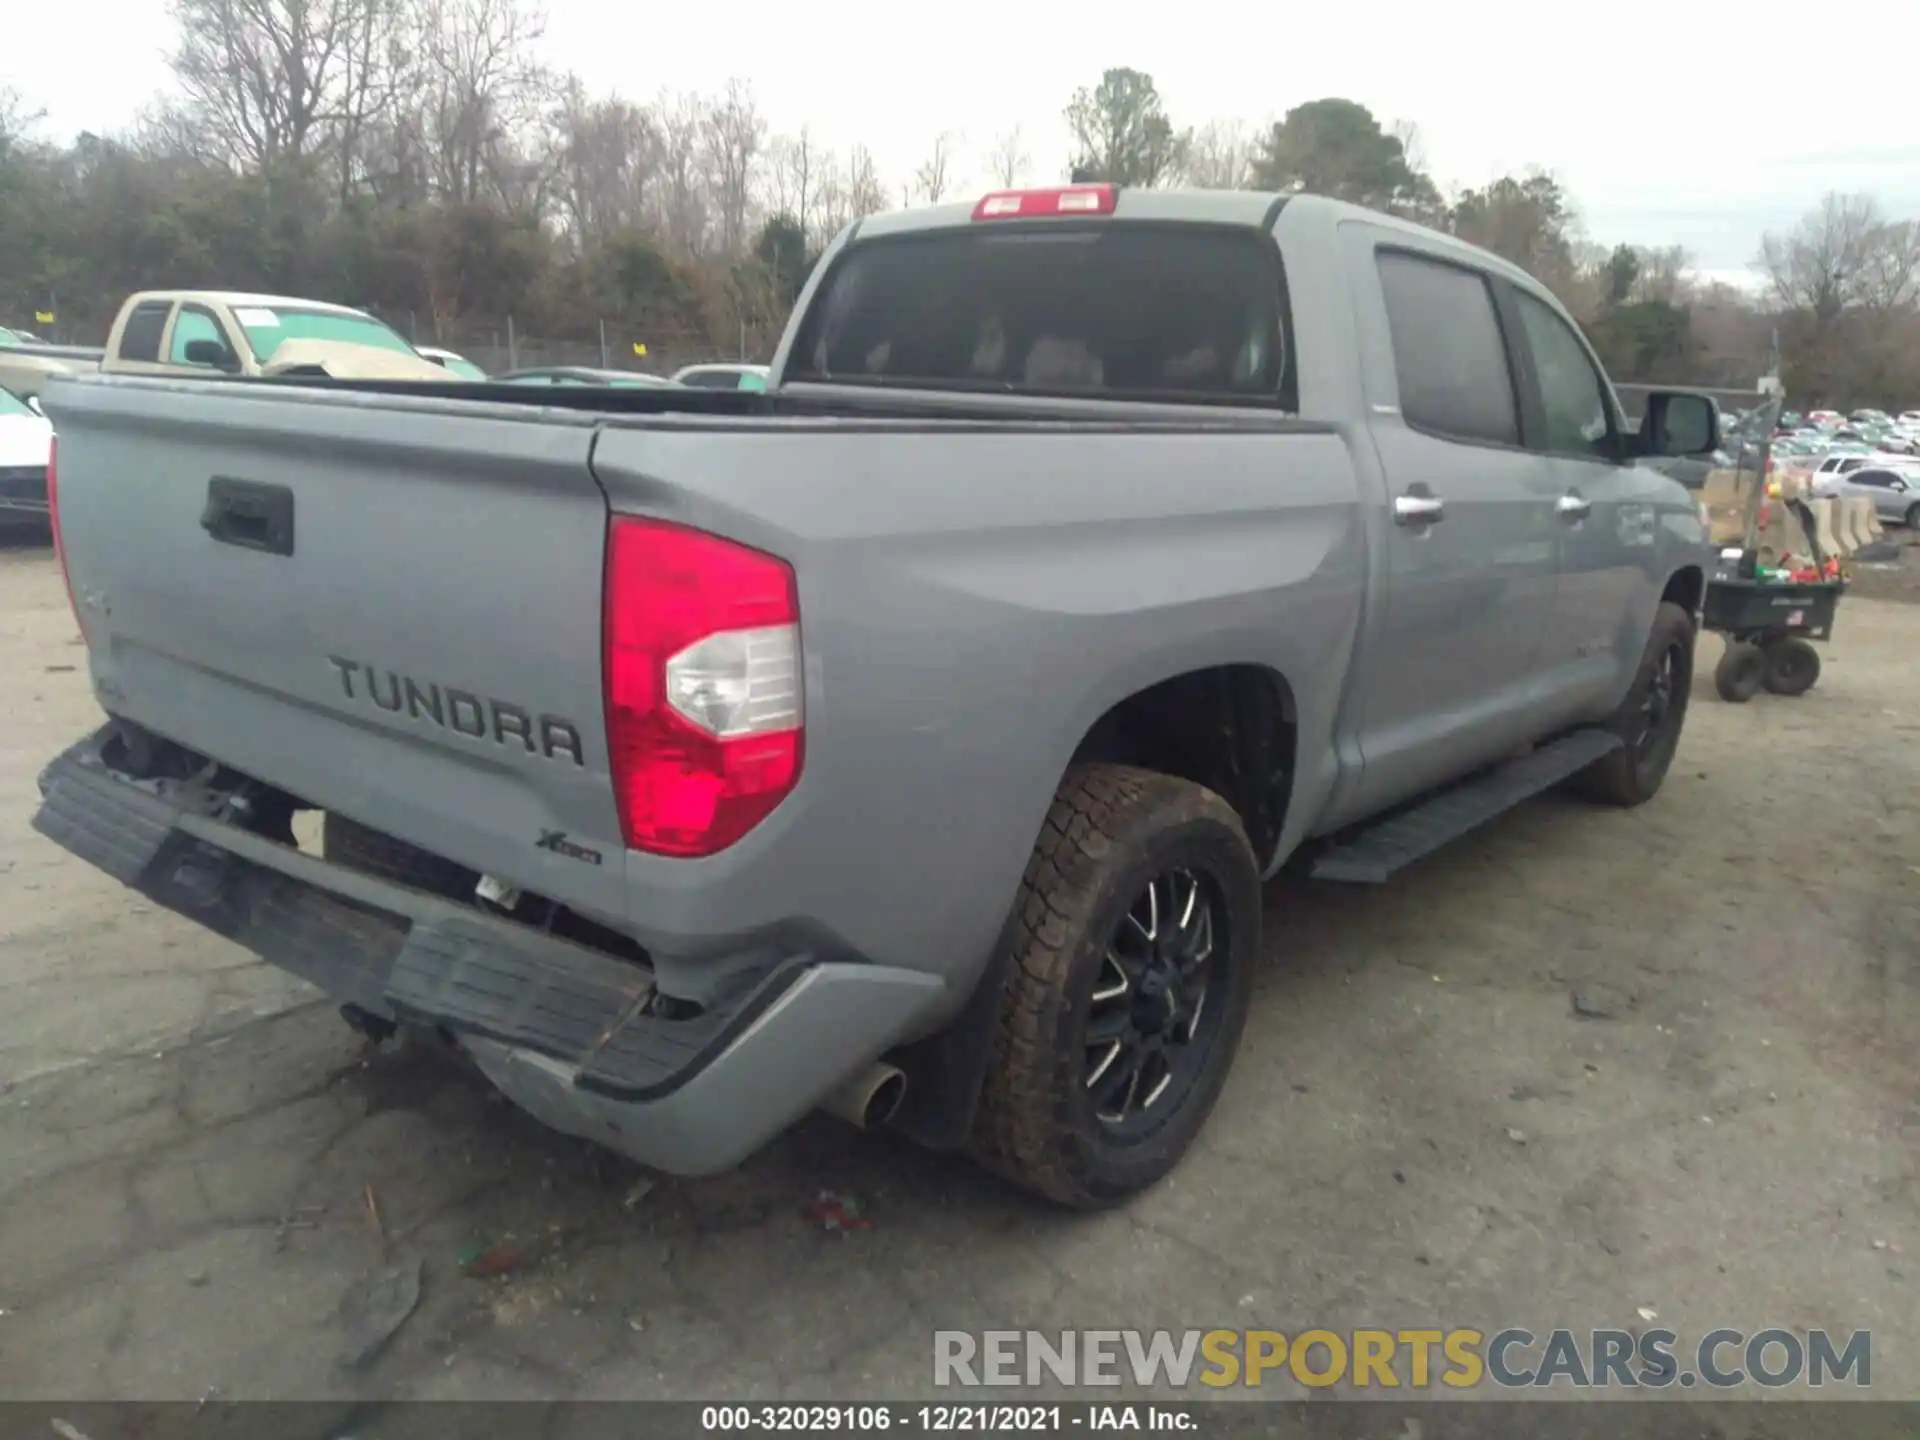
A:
(12, 404)
(7, 337)
(267, 329)
(1103, 311)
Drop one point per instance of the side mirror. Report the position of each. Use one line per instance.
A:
(1679, 423)
(212, 353)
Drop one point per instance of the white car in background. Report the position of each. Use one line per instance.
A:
(723, 375)
(26, 445)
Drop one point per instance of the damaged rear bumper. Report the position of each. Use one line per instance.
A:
(563, 1029)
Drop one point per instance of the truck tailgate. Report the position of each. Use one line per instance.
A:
(386, 611)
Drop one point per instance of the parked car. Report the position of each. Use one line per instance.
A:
(454, 364)
(219, 332)
(26, 442)
(1895, 492)
(722, 376)
(25, 368)
(915, 748)
(582, 375)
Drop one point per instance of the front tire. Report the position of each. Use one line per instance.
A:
(1650, 718)
(1134, 944)
(1913, 517)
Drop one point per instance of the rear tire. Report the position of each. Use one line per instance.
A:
(1650, 717)
(1741, 672)
(1792, 666)
(1112, 1046)
(1913, 517)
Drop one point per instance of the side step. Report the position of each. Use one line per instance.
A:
(1394, 843)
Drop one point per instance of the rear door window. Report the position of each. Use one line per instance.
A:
(140, 338)
(1102, 311)
(1449, 355)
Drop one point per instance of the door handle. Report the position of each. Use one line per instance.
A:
(1418, 509)
(1573, 507)
(249, 514)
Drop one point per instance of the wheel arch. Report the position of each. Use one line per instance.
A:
(1232, 727)
(1687, 588)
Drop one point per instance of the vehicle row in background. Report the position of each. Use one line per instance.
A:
(219, 332)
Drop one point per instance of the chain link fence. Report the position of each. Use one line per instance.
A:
(497, 344)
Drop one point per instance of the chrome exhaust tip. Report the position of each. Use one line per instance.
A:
(871, 1098)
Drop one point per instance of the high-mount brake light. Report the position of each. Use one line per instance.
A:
(705, 728)
(1035, 204)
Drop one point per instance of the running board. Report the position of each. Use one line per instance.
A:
(1373, 855)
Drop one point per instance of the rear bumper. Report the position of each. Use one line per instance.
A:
(561, 1028)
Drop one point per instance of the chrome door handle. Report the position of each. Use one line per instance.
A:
(1418, 509)
(1573, 507)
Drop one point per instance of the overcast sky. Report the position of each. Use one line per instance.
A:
(1696, 124)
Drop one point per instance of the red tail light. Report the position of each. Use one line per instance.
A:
(53, 522)
(1031, 204)
(705, 725)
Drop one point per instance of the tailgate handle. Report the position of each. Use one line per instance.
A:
(249, 514)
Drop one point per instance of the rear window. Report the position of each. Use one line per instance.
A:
(140, 337)
(1104, 311)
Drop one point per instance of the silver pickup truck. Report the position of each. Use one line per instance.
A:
(909, 740)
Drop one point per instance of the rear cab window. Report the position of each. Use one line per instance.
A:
(140, 336)
(1105, 310)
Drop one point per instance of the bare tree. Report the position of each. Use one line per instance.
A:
(1007, 161)
(732, 133)
(609, 162)
(865, 195)
(1219, 156)
(830, 210)
(1413, 145)
(934, 178)
(793, 169)
(479, 87)
(264, 77)
(1824, 263)
(17, 122)
(681, 121)
(1890, 279)
(1662, 274)
(375, 68)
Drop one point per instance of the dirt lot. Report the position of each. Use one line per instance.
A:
(1421, 1130)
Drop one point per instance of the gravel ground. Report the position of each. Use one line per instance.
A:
(1420, 1129)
